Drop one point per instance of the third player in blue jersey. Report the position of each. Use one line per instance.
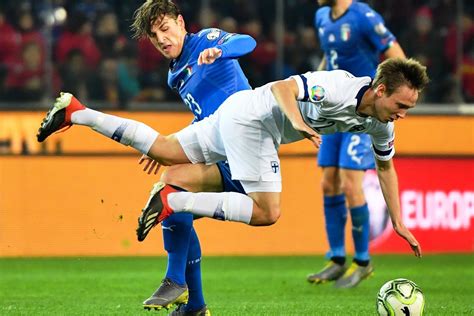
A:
(352, 36)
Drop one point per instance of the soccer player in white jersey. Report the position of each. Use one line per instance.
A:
(249, 127)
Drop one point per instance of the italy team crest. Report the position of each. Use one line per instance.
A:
(345, 32)
(317, 94)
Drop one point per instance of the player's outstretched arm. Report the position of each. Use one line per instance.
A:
(209, 55)
(233, 46)
(286, 93)
(389, 184)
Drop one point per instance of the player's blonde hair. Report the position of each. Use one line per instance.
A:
(149, 12)
(396, 72)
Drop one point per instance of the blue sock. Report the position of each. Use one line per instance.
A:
(335, 212)
(176, 234)
(193, 274)
(360, 232)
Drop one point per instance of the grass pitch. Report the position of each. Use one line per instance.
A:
(233, 285)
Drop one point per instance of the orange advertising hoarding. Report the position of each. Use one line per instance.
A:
(85, 201)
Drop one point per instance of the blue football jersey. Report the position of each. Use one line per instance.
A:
(203, 88)
(354, 41)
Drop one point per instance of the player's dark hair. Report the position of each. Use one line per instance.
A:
(149, 12)
(396, 72)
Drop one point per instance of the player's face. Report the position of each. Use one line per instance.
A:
(394, 107)
(168, 36)
(329, 3)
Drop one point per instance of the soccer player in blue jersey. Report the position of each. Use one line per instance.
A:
(204, 71)
(352, 36)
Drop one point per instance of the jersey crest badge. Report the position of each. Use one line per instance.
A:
(345, 32)
(189, 71)
(317, 94)
(213, 34)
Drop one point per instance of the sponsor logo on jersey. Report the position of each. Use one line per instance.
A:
(317, 94)
(180, 84)
(213, 34)
(380, 29)
(331, 38)
(345, 32)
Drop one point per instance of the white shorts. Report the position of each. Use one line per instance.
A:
(236, 133)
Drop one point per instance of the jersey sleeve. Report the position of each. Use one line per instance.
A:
(383, 142)
(374, 28)
(232, 45)
(318, 16)
(320, 86)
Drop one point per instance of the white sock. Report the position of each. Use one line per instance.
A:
(127, 132)
(229, 206)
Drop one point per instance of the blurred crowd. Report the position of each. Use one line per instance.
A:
(85, 47)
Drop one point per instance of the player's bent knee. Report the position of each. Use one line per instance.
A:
(173, 176)
(347, 188)
(329, 188)
(271, 216)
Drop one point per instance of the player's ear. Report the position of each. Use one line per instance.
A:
(180, 21)
(380, 90)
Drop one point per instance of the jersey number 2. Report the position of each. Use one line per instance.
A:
(333, 59)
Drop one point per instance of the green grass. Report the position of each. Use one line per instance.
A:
(233, 285)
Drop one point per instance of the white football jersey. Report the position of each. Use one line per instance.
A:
(328, 101)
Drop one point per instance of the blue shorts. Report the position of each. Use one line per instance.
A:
(228, 184)
(347, 151)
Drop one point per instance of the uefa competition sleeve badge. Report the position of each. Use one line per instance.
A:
(317, 94)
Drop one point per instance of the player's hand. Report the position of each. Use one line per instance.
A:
(209, 55)
(408, 236)
(151, 166)
(308, 133)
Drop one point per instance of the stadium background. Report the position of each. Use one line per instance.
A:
(89, 191)
(78, 195)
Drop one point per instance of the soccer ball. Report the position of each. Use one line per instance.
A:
(400, 297)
